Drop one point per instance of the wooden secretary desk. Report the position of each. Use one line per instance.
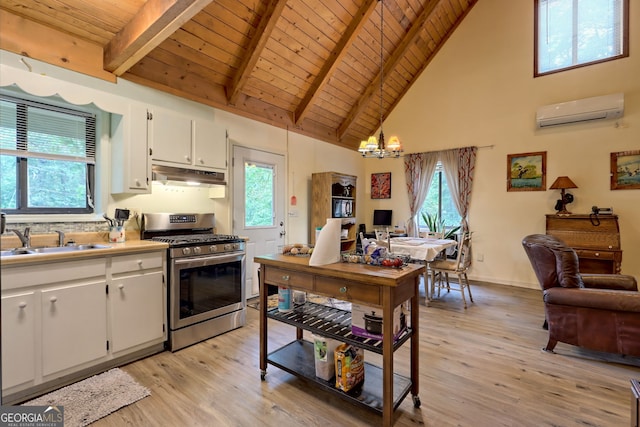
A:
(596, 240)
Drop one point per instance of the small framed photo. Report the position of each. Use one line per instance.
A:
(381, 185)
(625, 170)
(527, 171)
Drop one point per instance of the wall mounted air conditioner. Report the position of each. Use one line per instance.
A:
(581, 110)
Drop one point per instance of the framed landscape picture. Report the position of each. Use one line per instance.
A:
(381, 185)
(527, 171)
(625, 170)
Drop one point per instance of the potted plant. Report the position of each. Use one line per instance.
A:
(437, 225)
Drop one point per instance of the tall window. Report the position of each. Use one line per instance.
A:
(47, 158)
(439, 202)
(574, 33)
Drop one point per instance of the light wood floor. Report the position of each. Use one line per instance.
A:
(478, 367)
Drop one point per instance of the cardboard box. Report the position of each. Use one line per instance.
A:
(366, 321)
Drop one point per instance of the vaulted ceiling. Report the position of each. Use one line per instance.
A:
(312, 66)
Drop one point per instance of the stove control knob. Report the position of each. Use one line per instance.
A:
(236, 246)
(186, 251)
(197, 250)
(228, 247)
(213, 249)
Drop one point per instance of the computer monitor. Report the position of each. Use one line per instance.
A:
(382, 218)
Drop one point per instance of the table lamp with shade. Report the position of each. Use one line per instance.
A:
(562, 183)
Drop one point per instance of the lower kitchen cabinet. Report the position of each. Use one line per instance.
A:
(67, 320)
(18, 339)
(136, 300)
(74, 326)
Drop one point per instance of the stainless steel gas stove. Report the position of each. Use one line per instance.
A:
(206, 275)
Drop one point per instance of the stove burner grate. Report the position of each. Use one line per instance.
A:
(196, 238)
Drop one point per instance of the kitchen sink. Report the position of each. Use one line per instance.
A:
(52, 250)
(12, 252)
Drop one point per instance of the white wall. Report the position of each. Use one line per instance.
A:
(480, 90)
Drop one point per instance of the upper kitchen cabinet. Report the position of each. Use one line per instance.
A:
(170, 136)
(181, 141)
(130, 160)
(210, 144)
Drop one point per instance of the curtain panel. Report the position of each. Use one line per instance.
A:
(458, 165)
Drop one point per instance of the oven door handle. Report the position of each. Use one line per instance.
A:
(218, 259)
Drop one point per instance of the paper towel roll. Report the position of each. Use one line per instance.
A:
(327, 248)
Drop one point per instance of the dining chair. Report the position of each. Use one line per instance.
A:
(381, 235)
(440, 269)
(430, 235)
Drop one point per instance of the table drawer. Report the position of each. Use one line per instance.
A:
(348, 291)
(288, 278)
(595, 254)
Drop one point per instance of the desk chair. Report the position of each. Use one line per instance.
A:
(441, 268)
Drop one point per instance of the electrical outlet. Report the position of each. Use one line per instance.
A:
(480, 257)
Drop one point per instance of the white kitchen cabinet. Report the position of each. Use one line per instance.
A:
(67, 320)
(130, 152)
(210, 144)
(18, 339)
(170, 136)
(137, 300)
(74, 326)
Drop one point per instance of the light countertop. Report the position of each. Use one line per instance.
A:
(129, 246)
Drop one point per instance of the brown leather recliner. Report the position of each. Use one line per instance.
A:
(595, 311)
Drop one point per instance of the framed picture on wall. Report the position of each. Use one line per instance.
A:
(381, 185)
(625, 170)
(527, 171)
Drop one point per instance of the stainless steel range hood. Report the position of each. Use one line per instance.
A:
(182, 176)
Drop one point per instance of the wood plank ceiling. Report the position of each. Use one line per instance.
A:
(312, 66)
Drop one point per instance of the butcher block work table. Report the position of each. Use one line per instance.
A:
(382, 287)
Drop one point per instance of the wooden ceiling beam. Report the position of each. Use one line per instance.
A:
(255, 48)
(152, 25)
(34, 40)
(345, 42)
(389, 65)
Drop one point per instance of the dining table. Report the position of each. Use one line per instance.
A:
(421, 249)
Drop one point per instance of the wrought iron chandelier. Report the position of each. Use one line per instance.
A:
(375, 147)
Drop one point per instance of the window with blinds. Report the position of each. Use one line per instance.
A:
(47, 156)
(575, 33)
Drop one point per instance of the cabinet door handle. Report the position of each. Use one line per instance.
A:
(285, 277)
(200, 160)
(121, 286)
(53, 299)
(22, 304)
(343, 290)
(597, 253)
(139, 262)
(187, 158)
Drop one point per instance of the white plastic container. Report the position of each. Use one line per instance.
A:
(324, 349)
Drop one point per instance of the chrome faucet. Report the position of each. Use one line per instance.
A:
(25, 238)
(60, 237)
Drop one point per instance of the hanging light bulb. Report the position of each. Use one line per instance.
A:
(375, 147)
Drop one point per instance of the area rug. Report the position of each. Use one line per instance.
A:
(89, 400)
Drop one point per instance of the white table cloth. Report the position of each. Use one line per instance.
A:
(419, 248)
